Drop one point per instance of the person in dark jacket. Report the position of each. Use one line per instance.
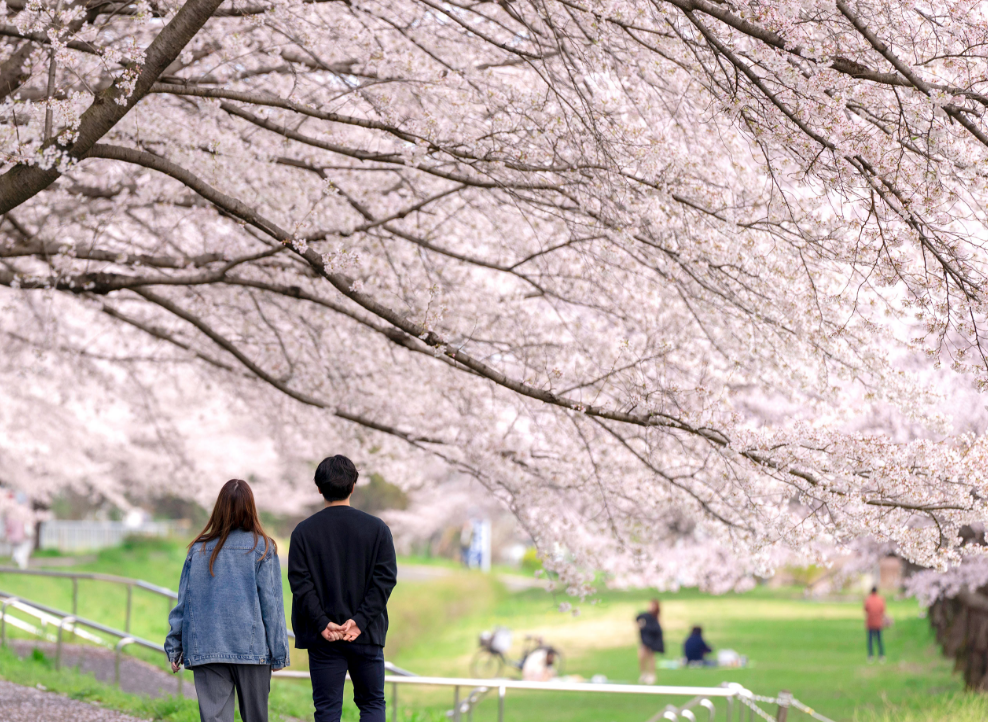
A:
(650, 631)
(695, 648)
(342, 568)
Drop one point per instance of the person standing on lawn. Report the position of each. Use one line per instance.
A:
(342, 568)
(228, 624)
(19, 528)
(875, 621)
(652, 642)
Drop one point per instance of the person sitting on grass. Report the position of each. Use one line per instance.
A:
(540, 665)
(695, 648)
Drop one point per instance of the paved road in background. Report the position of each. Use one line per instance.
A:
(426, 573)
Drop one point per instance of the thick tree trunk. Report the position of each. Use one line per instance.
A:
(961, 625)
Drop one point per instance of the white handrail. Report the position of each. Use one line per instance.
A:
(45, 618)
(700, 695)
(552, 686)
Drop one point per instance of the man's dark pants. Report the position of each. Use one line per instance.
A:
(328, 665)
(876, 635)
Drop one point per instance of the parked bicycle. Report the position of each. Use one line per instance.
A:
(538, 659)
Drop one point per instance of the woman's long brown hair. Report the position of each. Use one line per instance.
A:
(234, 509)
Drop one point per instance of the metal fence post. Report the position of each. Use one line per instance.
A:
(58, 647)
(75, 595)
(394, 703)
(785, 699)
(456, 703)
(501, 691)
(711, 710)
(3, 620)
(130, 596)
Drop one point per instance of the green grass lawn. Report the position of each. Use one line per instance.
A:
(815, 649)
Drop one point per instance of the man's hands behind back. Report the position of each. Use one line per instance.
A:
(348, 631)
(332, 632)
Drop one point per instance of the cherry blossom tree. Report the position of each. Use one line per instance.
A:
(640, 267)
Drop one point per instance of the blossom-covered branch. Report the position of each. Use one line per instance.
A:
(642, 267)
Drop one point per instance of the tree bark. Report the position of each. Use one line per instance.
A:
(12, 73)
(961, 625)
(23, 182)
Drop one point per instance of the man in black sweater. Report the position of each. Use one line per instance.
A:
(342, 568)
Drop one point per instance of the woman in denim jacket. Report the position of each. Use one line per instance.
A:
(229, 623)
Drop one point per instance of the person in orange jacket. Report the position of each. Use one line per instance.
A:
(874, 607)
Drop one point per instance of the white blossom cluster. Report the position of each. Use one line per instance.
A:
(971, 575)
(649, 270)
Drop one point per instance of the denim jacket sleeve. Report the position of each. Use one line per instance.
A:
(176, 618)
(273, 608)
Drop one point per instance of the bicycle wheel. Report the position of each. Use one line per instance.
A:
(486, 665)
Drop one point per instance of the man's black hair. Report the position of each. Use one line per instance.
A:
(335, 477)
(874, 590)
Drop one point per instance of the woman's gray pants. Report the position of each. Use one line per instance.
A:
(215, 684)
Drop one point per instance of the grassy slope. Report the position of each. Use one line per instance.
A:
(416, 610)
(814, 649)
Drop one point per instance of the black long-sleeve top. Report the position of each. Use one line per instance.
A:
(341, 565)
(651, 632)
(694, 648)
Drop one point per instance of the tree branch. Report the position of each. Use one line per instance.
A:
(260, 373)
(23, 182)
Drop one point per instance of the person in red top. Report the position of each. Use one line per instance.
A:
(874, 607)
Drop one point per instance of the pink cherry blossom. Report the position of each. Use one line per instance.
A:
(667, 277)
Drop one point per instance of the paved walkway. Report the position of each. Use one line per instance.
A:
(426, 573)
(136, 676)
(27, 704)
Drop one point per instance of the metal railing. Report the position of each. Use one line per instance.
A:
(69, 623)
(130, 584)
(53, 616)
(95, 576)
(737, 698)
(65, 622)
